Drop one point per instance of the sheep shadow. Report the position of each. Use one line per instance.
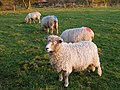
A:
(50, 79)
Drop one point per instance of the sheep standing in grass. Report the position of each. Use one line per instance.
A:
(33, 17)
(50, 22)
(77, 34)
(66, 57)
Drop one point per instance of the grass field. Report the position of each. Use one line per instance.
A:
(24, 64)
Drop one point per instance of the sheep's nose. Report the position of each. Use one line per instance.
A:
(46, 49)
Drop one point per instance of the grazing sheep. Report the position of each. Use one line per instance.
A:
(66, 57)
(50, 22)
(77, 34)
(33, 17)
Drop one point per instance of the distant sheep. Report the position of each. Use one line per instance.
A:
(77, 34)
(66, 57)
(50, 22)
(33, 17)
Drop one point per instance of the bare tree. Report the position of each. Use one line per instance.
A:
(1, 3)
(117, 2)
(27, 4)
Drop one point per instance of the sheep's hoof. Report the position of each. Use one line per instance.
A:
(66, 85)
(100, 74)
(99, 71)
(60, 79)
(93, 69)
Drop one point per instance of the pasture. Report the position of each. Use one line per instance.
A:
(24, 63)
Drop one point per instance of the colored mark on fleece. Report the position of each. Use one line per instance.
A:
(88, 29)
(55, 18)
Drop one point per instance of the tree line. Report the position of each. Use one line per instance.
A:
(27, 4)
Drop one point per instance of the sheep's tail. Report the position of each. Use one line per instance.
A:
(89, 30)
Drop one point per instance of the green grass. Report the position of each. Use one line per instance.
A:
(24, 64)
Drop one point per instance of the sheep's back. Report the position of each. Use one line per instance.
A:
(77, 35)
(72, 35)
(47, 21)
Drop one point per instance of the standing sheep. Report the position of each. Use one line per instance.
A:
(66, 57)
(77, 34)
(33, 17)
(50, 22)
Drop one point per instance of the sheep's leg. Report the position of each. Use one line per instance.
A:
(47, 30)
(30, 21)
(99, 71)
(57, 29)
(99, 68)
(66, 74)
(92, 67)
(38, 20)
(33, 21)
(61, 76)
(52, 28)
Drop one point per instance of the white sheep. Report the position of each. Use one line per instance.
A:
(50, 22)
(33, 16)
(77, 34)
(66, 57)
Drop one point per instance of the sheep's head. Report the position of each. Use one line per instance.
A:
(53, 43)
(26, 19)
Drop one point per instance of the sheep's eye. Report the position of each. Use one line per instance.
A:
(59, 41)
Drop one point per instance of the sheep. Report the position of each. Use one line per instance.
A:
(50, 22)
(66, 57)
(77, 34)
(33, 16)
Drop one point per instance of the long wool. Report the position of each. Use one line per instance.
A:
(33, 16)
(76, 56)
(77, 35)
(48, 21)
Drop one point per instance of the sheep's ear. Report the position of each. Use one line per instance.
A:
(60, 41)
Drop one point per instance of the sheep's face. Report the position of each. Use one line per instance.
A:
(53, 43)
(26, 19)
